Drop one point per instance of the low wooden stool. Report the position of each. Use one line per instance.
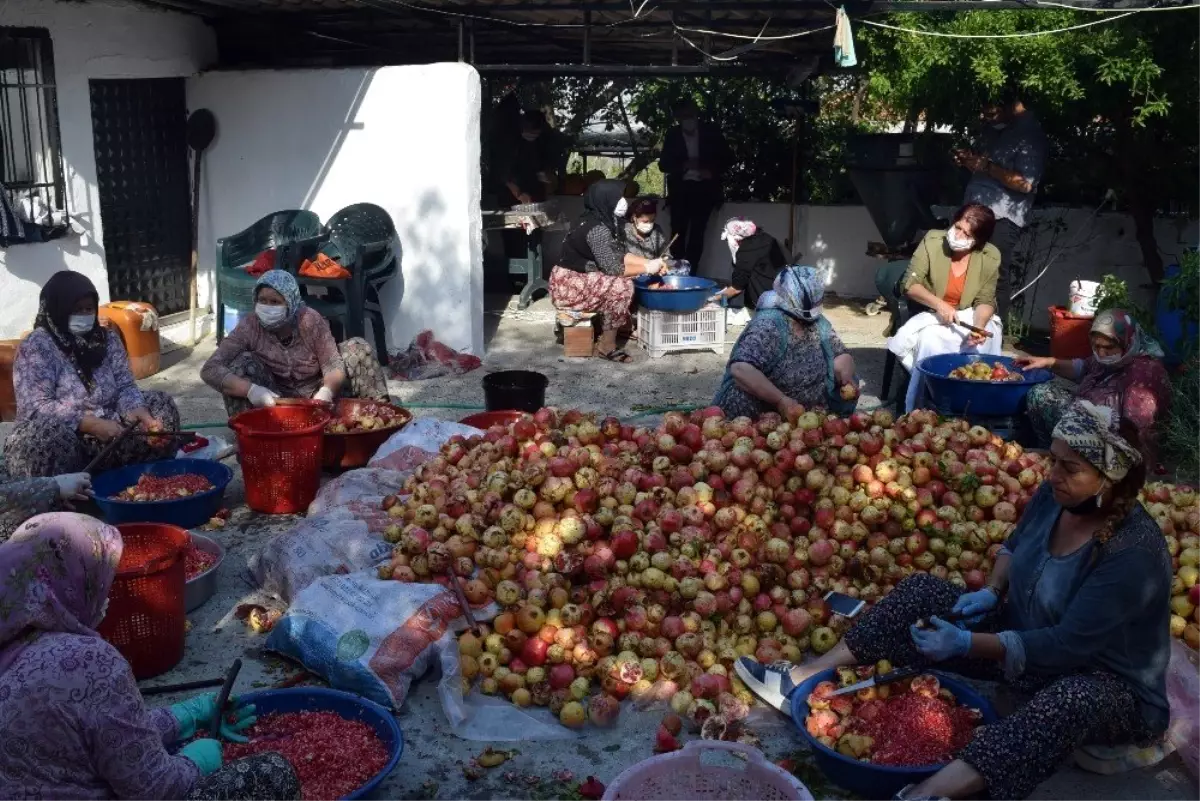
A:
(579, 333)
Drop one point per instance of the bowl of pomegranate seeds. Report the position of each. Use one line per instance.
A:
(341, 745)
(201, 559)
(876, 741)
(182, 492)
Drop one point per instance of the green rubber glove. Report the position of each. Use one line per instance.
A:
(196, 713)
(205, 753)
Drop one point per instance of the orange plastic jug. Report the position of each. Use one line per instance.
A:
(8, 399)
(137, 323)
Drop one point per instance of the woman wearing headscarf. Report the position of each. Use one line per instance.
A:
(74, 722)
(1075, 615)
(286, 349)
(643, 235)
(1125, 372)
(75, 391)
(789, 356)
(953, 274)
(757, 259)
(595, 273)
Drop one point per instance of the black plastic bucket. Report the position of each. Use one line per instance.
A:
(515, 389)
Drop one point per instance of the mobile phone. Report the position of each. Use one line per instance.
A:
(844, 605)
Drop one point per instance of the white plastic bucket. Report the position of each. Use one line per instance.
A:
(1083, 298)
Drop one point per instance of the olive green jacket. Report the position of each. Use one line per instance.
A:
(930, 267)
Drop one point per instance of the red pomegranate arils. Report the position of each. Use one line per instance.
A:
(332, 756)
(912, 730)
(197, 561)
(164, 488)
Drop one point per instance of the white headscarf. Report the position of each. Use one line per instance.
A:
(737, 229)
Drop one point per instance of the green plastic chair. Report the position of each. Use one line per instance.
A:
(235, 288)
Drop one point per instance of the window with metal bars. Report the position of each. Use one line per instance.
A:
(31, 167)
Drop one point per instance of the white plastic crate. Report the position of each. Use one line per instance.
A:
(664, 332)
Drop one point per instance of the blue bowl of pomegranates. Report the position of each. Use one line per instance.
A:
(877, 741)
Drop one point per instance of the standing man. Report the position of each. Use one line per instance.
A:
(694, 158)
(1005, 177)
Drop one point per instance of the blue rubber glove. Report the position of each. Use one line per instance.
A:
(944, 641)
(205, 753)
(196, 713)
(976, 604)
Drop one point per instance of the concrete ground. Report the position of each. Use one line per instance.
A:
(433, 756)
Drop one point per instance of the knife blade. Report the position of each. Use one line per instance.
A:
(878, 681)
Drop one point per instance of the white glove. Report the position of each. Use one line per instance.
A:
(260, 396)
(74, 486)
(324, 394)
(653, 266)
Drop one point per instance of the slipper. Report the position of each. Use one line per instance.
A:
(618, 356)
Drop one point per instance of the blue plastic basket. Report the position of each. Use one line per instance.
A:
(864, 778)
(979, 398)
(685, 295)
(194, 510)
(348, 705)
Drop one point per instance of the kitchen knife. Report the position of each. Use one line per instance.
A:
(879, 681)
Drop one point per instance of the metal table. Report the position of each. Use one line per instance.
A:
(530, 266)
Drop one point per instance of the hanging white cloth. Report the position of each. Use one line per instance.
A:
(923, 336)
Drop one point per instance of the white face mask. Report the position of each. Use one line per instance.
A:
(80, 324)
(270, 316)
(103, 610)
(644, 227)
(1107, 360)
(529, 136)
(999, 126)
(958, 243)
(690, 126)
(621, 208)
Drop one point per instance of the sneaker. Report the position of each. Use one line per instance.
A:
(903, 795)
(772, 683)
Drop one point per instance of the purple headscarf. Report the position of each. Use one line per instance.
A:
(55, 573)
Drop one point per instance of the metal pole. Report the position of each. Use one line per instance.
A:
(587, 36)
(462, 47)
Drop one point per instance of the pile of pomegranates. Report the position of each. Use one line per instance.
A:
(643, 562)
(1175, 508)
(912, 722)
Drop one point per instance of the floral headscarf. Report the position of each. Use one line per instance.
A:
(285, 284)
(1091, 431)
(1119, 325)
(55, 574)
(798, 292)
(737, 229)
(55, 304)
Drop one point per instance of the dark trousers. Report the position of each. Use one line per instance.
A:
(691, 209)
(1005, 238)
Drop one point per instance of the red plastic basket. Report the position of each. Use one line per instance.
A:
(145, 619)
(1070, 334)
(281, 449)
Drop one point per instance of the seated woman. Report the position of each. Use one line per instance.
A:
(1075, 614)
(74, 390)
(789, 355)
(953, 273)
(643, 236)
(1125, 372)
(595, 273)
(21, 500)
(285, 349)
(757, 259)
(70, 699)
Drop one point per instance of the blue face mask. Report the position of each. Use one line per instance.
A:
(80, 324)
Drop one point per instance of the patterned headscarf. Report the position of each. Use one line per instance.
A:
(737, 229)
(798, 293)
(55, 573)
(55, 304)
(1119, 325)
(1091, 431)
(285, 284)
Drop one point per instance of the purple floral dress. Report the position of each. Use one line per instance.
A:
(52, 399)
(74, 722)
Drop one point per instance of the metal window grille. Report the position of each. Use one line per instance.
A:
(31, 166)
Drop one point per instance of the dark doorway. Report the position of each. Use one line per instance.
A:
(139, 128)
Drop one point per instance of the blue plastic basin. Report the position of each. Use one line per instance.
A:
(194, 510)
(864, 778)
(684, 295)
(978, 398)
